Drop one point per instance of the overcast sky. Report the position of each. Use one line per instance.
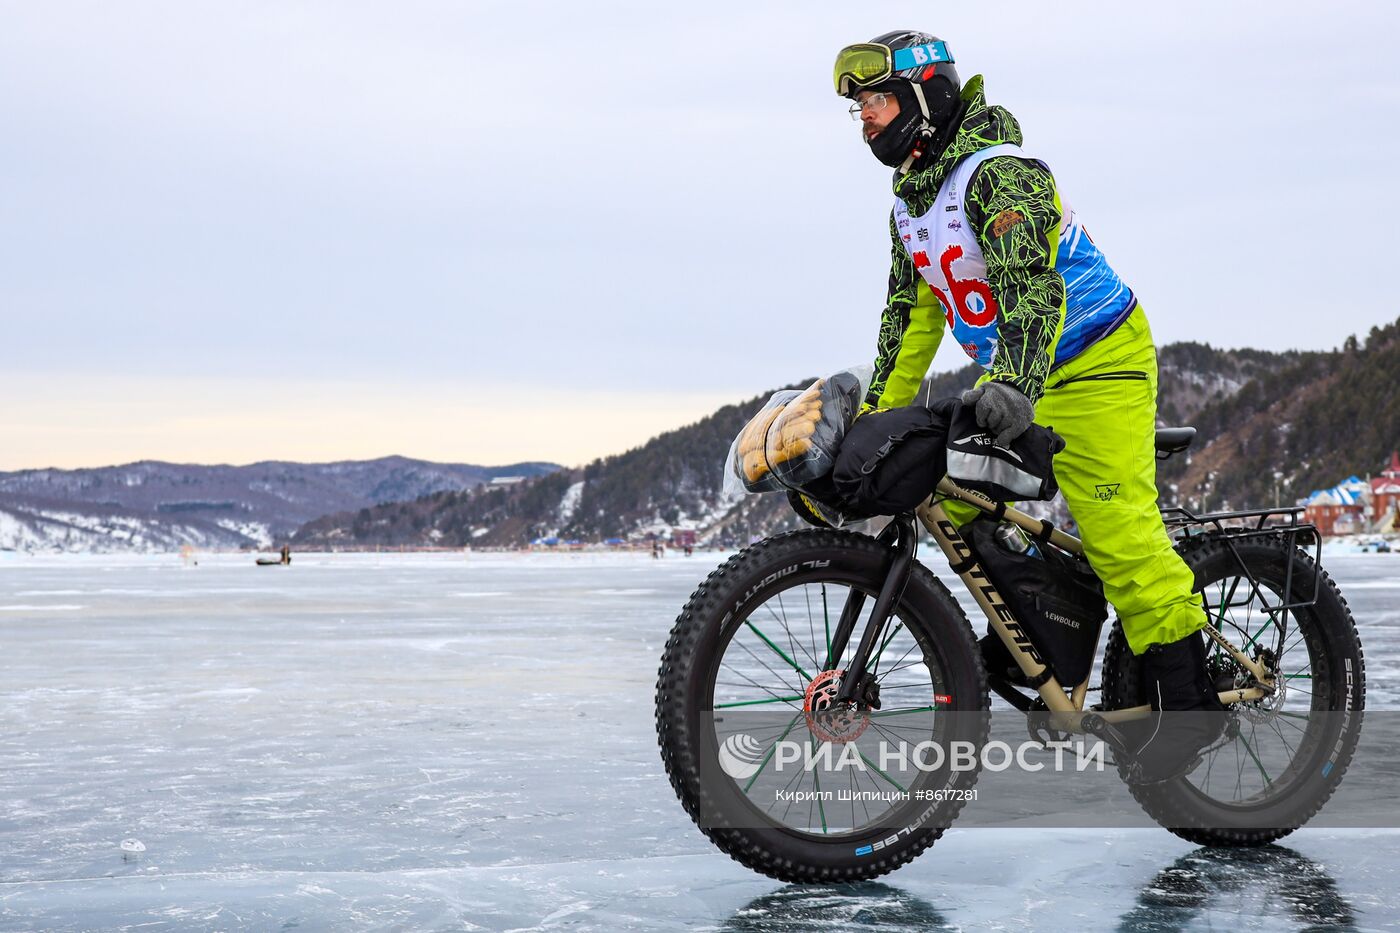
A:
(494, 231)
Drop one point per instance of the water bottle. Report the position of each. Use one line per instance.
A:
(1015, 540)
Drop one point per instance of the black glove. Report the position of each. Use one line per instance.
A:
(1001, 409)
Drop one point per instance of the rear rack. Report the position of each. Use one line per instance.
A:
(1248, 519)
(1285, 524)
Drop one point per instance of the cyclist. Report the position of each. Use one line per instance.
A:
(984, 244)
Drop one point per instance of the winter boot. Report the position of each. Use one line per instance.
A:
(1186, 712)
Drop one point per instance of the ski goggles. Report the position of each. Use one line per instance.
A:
(869, 63)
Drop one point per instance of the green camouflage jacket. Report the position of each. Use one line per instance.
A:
(1020, 261)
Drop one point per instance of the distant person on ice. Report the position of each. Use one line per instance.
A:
(982, 242)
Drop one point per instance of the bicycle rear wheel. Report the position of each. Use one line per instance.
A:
(1282, 757)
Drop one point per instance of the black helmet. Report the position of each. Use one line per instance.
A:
(918, 69)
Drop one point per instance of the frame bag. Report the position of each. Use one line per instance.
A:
(1057, 598)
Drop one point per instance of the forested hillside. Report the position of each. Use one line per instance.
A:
(675, 479)
(1299, 427)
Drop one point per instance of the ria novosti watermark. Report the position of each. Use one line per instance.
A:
(741, 756)
(767, 766)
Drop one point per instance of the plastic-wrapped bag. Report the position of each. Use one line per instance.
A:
(792, 442)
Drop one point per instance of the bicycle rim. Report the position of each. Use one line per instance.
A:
(775, 660)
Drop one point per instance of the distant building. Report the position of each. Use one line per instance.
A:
(1356, 506)
(1385, 496)
(505, 480)
(1341, 510)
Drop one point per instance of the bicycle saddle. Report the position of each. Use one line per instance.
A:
(1174, 440)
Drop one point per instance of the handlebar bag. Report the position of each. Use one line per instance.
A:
(1020, 472)
(891, 460)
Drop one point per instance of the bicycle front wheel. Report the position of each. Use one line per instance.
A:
(754, 641)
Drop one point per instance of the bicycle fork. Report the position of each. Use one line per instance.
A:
(900, 533)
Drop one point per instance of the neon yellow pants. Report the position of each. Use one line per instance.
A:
(1104, 404)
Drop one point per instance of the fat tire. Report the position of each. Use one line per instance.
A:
(925, 604)
(1175, 805)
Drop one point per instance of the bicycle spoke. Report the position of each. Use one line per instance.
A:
(1291, 645)
(1282, 738)
(902, 712)
(769, 642)
(1225, 603)
(766, 667)
(769, 756)
(773, 697)
(797, 776)
(1252, 638)
(917, 662)
(767, 734)
(817, 782)
(826, 619)
(875, 661)
(900, 661)
(863, 805)
(892, 730)
(880, 771)
(1257, 763)
(759, 702)
(787, 630)
(727, 666)
(894, 733)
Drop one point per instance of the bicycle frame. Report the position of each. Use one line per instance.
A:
(1066, 704)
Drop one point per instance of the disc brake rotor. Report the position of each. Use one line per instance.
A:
(831, 721)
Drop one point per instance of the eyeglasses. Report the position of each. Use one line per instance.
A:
(875, 102)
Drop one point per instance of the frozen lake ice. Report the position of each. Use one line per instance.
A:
(455, 741)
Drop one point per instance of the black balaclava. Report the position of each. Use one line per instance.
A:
(928, 113)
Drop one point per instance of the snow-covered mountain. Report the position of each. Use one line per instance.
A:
(151, 505)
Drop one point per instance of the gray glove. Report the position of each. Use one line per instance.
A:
(1001, 409)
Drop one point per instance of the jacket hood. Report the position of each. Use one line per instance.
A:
(981, 127)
